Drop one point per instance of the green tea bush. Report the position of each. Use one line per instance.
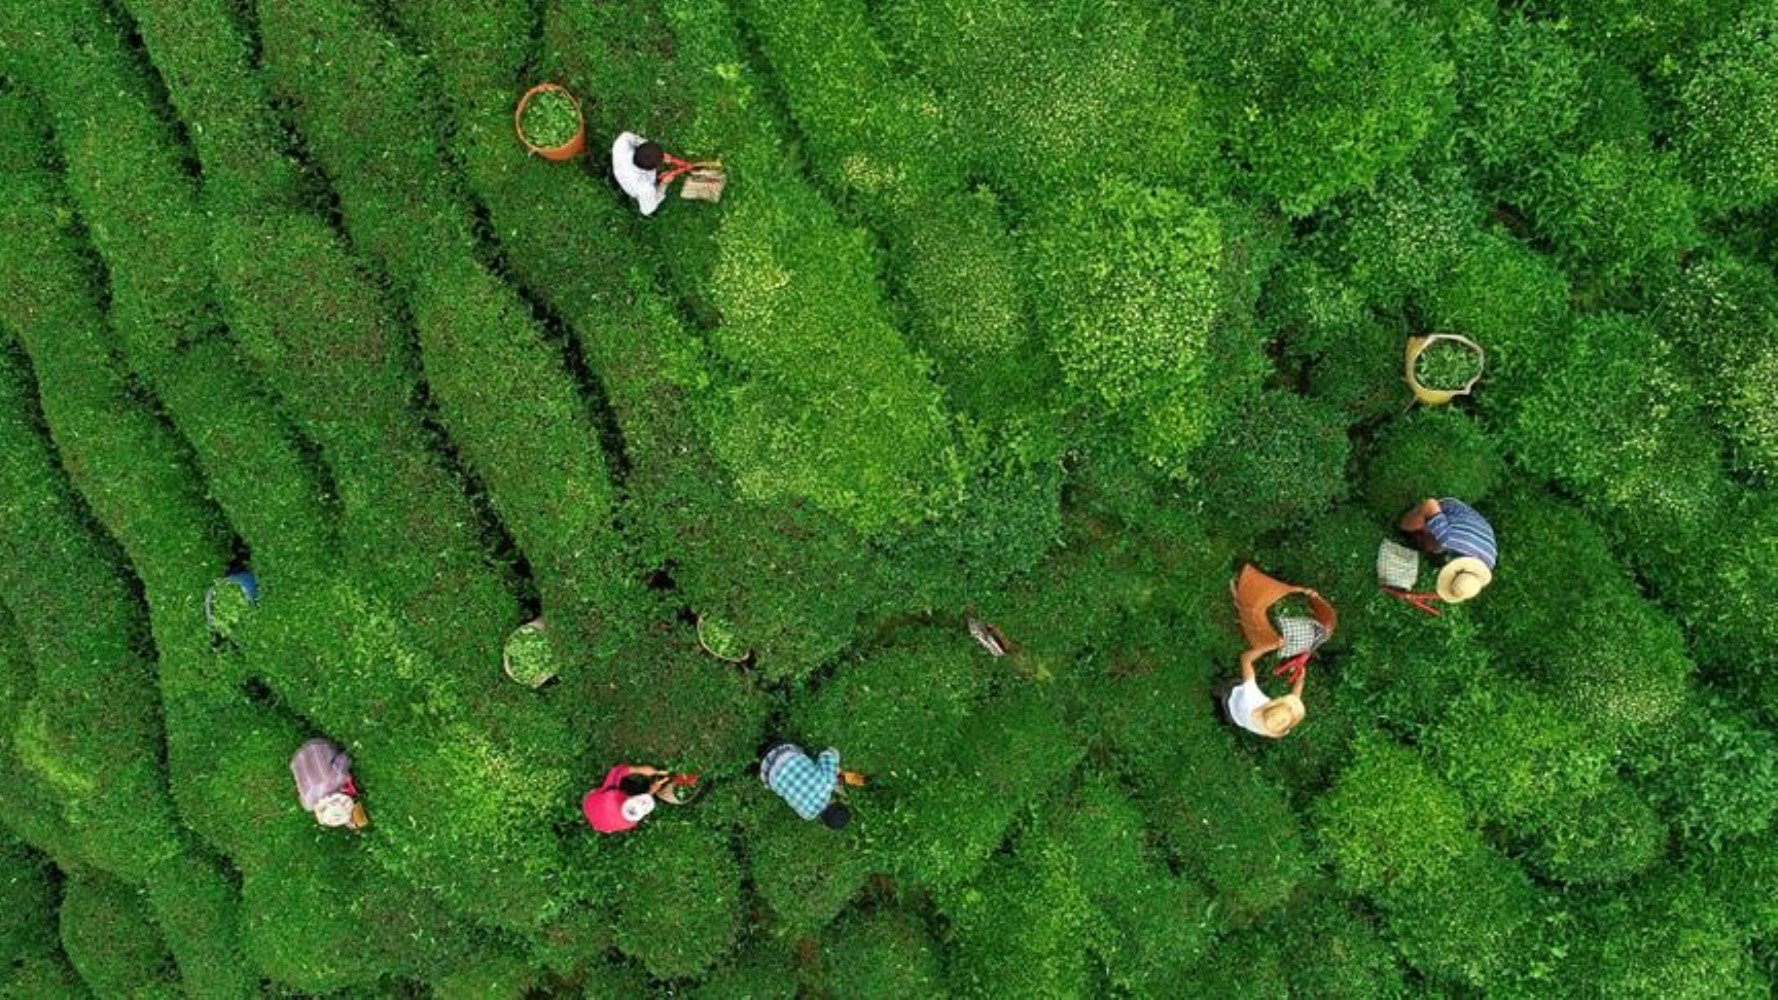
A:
(1713, 772)
(805, 875)
(1520, 91)
(1642, 36)
(1729, 113)
(1589, 427)
(1349, 356)
(131, 468)
(1041, 98)
(950, 819)
(27, 918)
(1513, 302)
(1338, 951)
(1723, 308)
(1606, 838)
(1018, 931)
(1739, 878)
(1408, 667)
(886, 952)
(1318, 99)
(1432, 453)
(1457, 909)
(874, 134)
(1400, 236)
(1244, 964)
(323, 338)
(880, 710)
(824, 400)
(1536, 771)
(90, 727)
(1147, 923)
(503, 389)
(768, 570)
(1279, 459)
(1549, 629)
(126, 176)
(1231, 827)
(46, 976)
(1009, 519)
(113, 941)
(1616, 209)
(966, 306)
(1669, 939)
(863, 433)
(678, 895)
(1714, 582)
(760, 972)
(1517, 756)
(1130, 282)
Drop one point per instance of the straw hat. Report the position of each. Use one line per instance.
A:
(637, 807)
(1280, 715)
(1463, 578)
(335, 810)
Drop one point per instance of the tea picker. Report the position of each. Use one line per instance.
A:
(1445, 526)
(808, 785)
(638, 163)
(325, 787)
(1259, 600)
(629, 794)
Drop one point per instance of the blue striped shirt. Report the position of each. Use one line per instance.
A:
(806, 784)
(1457, 528)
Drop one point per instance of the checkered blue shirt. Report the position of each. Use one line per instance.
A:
(806, 784)
(1458, 528)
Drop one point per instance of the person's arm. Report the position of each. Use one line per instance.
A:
(1247, 658)
(1415, 519)
(615, 775)
(829, 762)
(645, 770)
(1296, 687)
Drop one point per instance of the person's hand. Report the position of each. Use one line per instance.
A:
(659, 783)
(645, 770)
(1415, 519)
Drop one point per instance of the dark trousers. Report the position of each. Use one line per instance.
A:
(1219, 695)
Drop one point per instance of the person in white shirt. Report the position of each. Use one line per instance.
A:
(635, 162)
(1253, 710)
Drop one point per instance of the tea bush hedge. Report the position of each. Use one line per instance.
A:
(1045, 316)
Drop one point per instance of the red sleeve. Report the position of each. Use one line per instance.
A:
(618, 773)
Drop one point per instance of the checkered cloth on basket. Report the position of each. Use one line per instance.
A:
(1397, 565)
(1301, 635)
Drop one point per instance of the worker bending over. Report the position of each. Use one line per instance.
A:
(1248, 706)
(1448, 526)
(325, 787)
(807, 785)
(624, 798)
(636, 163)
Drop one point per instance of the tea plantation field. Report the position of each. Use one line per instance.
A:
(1053, 313)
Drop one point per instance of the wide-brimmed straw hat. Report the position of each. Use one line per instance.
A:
(335, 810)
(637, 807)
(1463, 578)
(1280, 715)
